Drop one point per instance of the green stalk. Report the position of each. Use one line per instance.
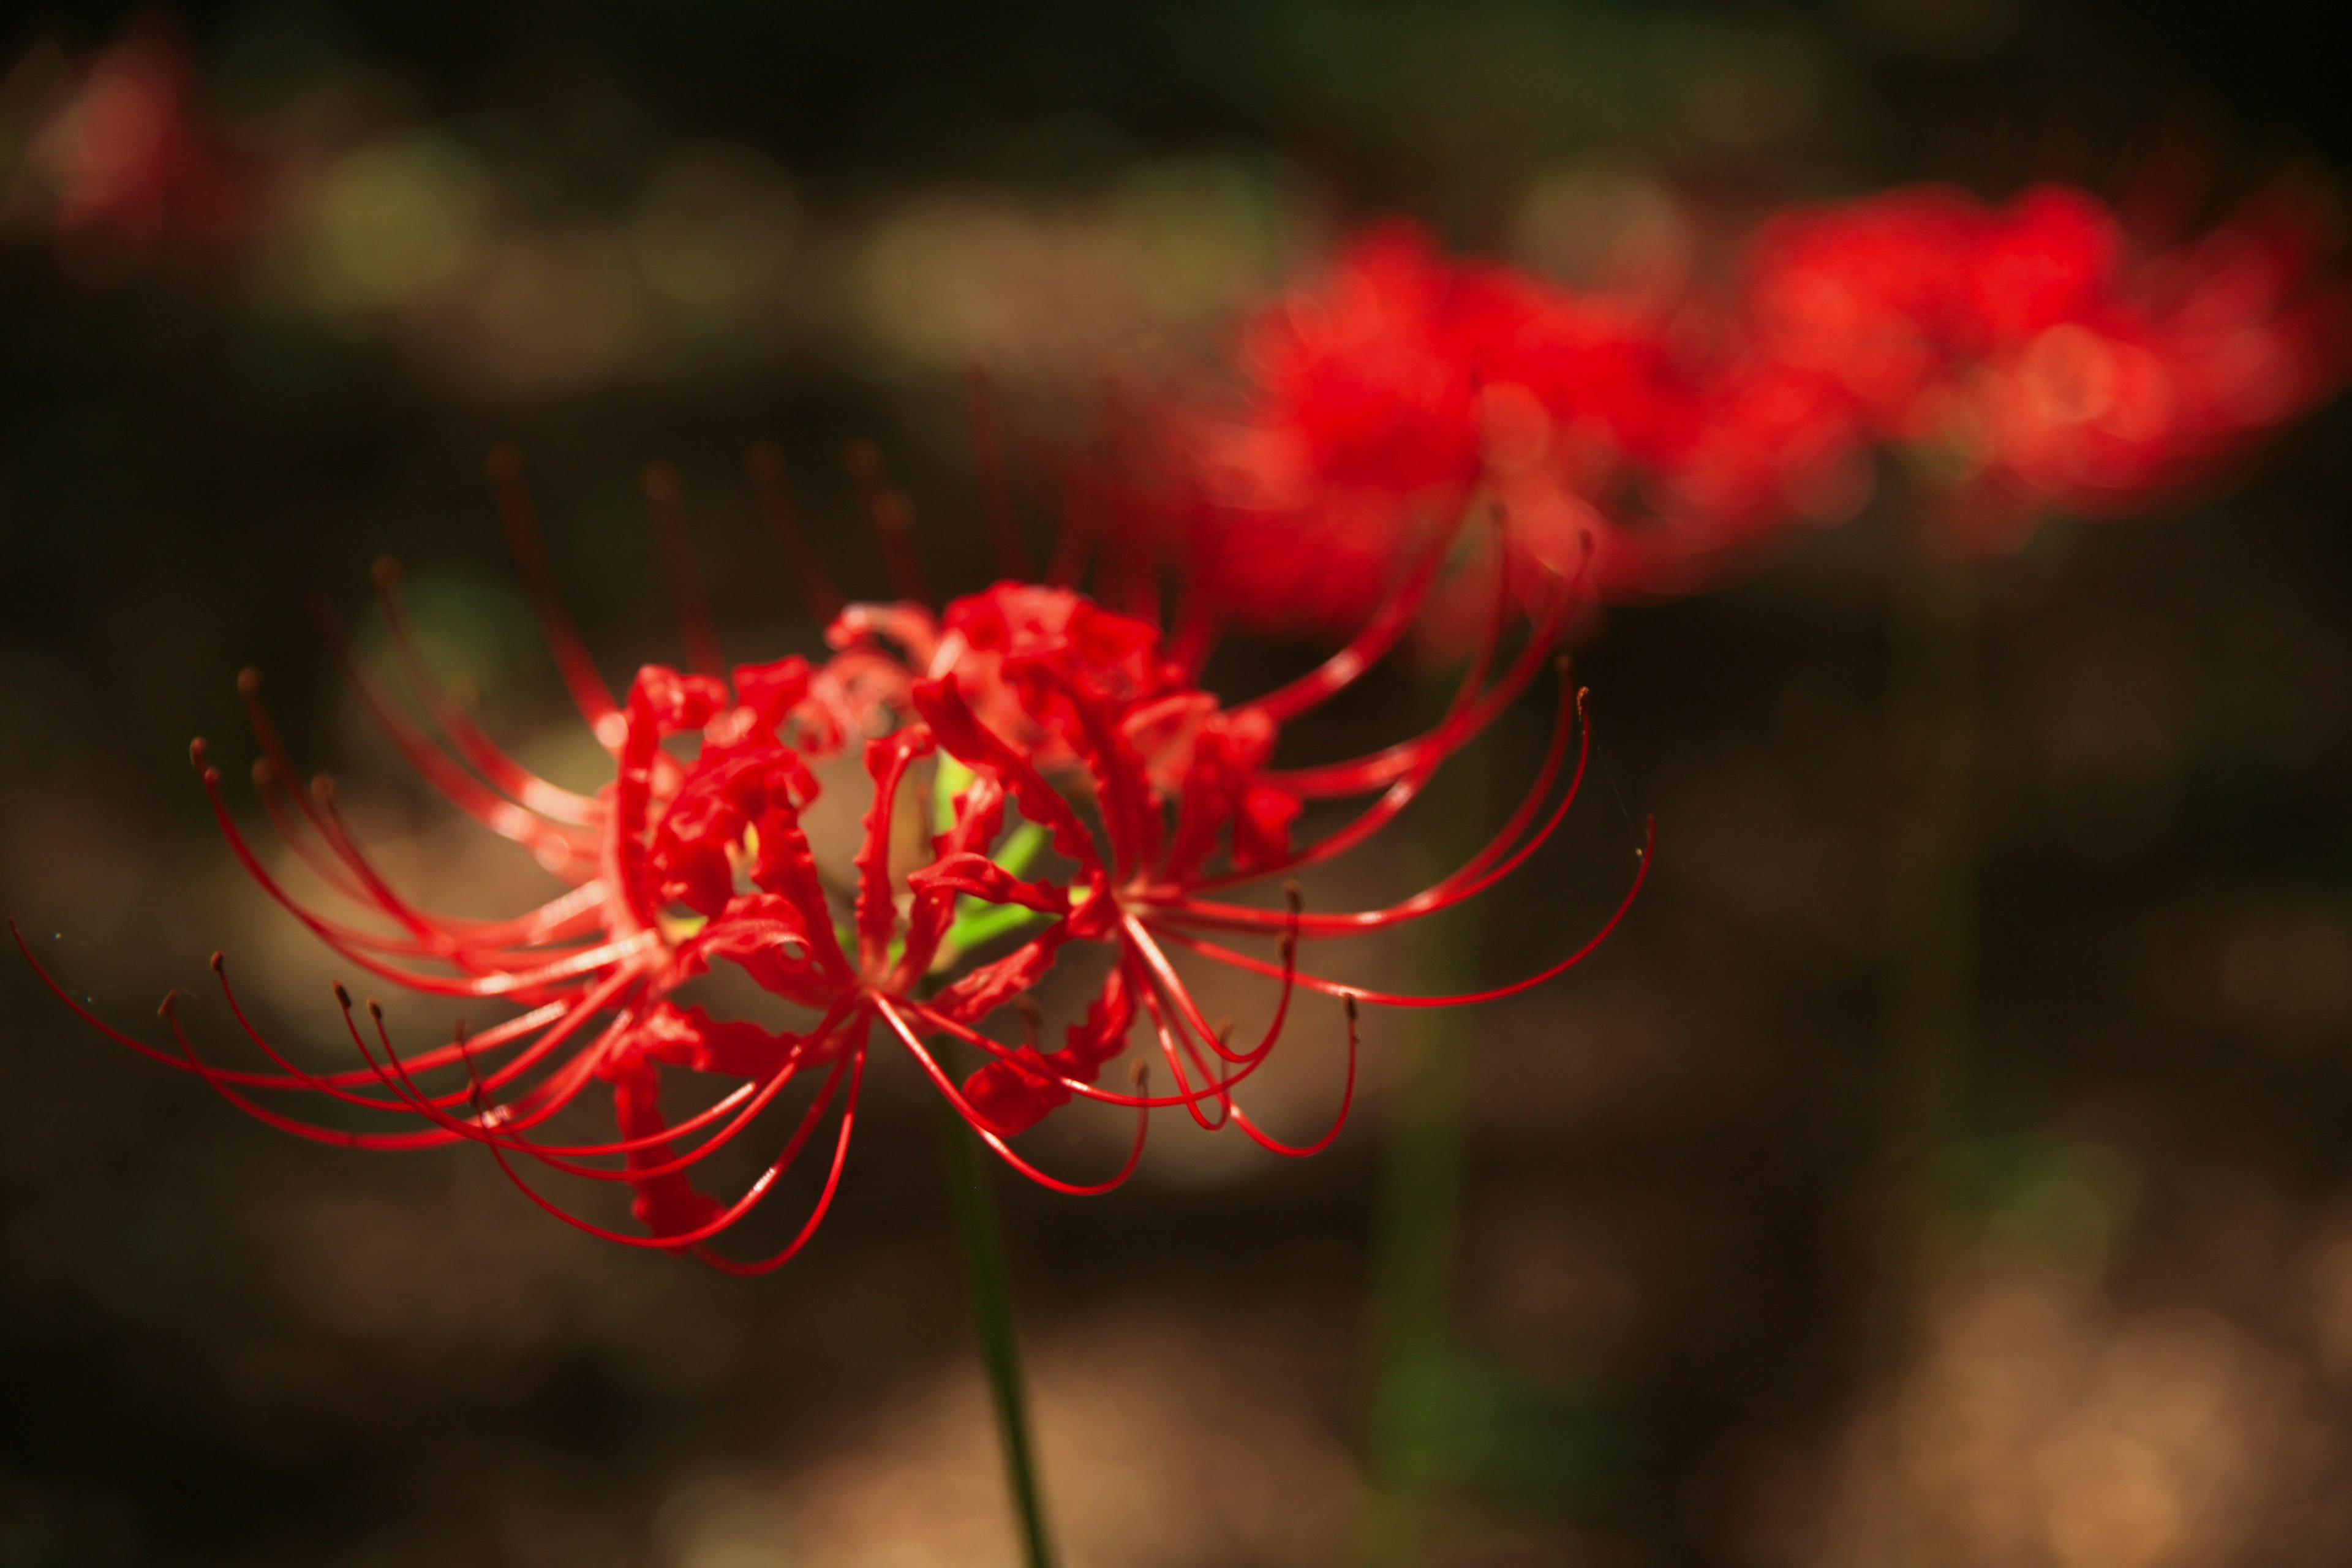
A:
(981, 1235)
(980, 1232)
(1424, 1159)
(1930, 866)
(1930, 891)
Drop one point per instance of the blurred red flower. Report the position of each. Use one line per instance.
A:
(2038, 358)
(2030, 353)
(129, 169)
(1379, 401)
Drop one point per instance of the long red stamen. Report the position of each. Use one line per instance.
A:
(1394, 762)
(1465, 881)
(791, 1248)
(502, 983)
(1347, 1101)
(1462, 721)
(1380, 634)
(892, 518)
(335, 1136)
(749, 1098)
(1078, 1087)
(981, 1124)
(1171, 984)
(665, 492)
(1176, 1048)
(326, 849)
(589, 692)
(542, 1100)
(1391, 999)
(1075, 540)
(479, 752)
(995, 488)
(765, 464)
(757, 1191)
(555, 844)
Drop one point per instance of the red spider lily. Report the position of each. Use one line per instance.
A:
(1034, 718)
(131, 168)
(2033, 354)
(2028, 351)
(1385, 400)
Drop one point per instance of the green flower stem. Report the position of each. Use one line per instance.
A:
(982, 1236)
(1930, 870)
(1930, 860)
(1423, 1157)
(980, 1232)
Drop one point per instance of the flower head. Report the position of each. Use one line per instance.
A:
(1045, 774)
(2031, 354)
(1381, 399)
(122, 164)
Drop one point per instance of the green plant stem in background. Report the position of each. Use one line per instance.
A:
(1930, 947)
(1930, 863)
(981, 1236)
(1425, 1125)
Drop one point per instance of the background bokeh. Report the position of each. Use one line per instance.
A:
(279, 273)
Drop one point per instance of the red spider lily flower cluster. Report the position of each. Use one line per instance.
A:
(123, 167)
(1084, 792)
(1383, 396)
(2028, 352)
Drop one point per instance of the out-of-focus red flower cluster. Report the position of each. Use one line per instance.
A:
(120, 164)
(1046, 777)
(2029, 354)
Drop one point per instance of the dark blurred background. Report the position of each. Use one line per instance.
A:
(389, 235)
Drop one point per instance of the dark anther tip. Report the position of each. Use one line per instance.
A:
(342, 997)
(384, 573)
(505, 461)
(211, 777)
(219, 962)
(249, 681)
(196, 752)
(1351, 1001)
(1295, 896)
(1138, 1072)
(375, 1009)
(170, 1000)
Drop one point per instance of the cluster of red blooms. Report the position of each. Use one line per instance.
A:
(2026, 354)
(117, 162)
(1083, 790)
